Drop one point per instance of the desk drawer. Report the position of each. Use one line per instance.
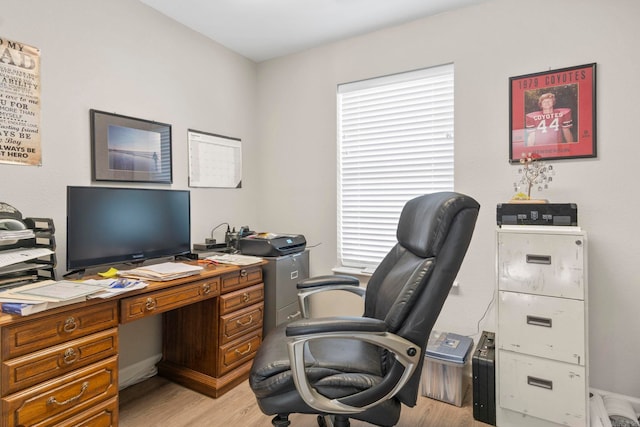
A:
(153, 303)
(236, 353)
(51, 403)
(543, 388)
(104, 414)
(241, 278)
(236, 324)
(240, 299)
(25, 337)
(31, 369)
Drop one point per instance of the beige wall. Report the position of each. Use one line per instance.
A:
(488, 44)
(123, 57)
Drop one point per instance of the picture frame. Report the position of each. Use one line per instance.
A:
(130, 149)
(552, 114)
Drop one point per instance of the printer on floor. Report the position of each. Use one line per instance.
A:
(272, 244)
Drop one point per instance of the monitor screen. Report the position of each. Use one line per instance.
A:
(119, 225)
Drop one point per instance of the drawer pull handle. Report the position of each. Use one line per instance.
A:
(243, 273)
(150, 304)
(52, 400)
(539, 321)
(250, 321)
(294, 315)
(70, 356)
(539, 259)
(244, 353)
(206, 289)
(70, 325)
(245, 297)
(539, 382)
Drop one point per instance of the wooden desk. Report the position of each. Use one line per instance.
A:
(60, 367)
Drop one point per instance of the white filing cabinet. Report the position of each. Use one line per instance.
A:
(542, 337)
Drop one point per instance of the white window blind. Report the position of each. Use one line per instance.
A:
(395, 142)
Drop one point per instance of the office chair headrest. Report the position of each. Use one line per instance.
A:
(434, 212)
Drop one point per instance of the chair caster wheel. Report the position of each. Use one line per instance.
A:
(321, 421)
(281, 421)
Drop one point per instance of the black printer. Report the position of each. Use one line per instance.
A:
(271, 244)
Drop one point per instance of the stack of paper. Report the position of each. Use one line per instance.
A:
(162, 272)
(48, 294)
(44, 295)
(234, 259)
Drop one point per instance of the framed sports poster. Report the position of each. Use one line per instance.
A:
(552, 114)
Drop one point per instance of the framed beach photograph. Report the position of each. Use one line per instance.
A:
(552, 114)
(130, 149)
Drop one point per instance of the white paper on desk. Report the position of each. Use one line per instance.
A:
(56, 291)
(163, 271)
(108, 292)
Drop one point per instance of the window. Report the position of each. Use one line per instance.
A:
(395, 142)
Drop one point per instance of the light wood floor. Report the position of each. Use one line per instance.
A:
(162, 403)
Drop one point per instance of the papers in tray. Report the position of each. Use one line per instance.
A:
(162, 272)
(234, 259)
(20, 255)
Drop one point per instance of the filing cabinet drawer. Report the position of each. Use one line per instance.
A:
(153, 303)
(543, 264)
(28, 370)
(239, 279)
(104, 414)
(238, 352)
(236, 324)
(542, 326)
(543, 388)
(25, 337)
(71, 394)
(241, 298)
(288, 314)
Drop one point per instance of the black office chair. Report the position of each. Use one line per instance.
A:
(365, 367)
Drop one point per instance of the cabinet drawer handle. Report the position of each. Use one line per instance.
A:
(150, 304)
(539, 321)
(244, 353)
(250, 321)
(243, 273)
(70, 325)
(539, 382)
(206, 289)
(52, 400)
(538, 259)
(245, 297)
(294, 315)
(70, 356)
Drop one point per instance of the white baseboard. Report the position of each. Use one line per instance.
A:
(138, 372)
(635, 402)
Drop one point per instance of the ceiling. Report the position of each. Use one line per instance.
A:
(266, 29)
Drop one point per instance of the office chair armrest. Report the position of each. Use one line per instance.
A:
(330, 279)
(317, 284)
(335, 324)
(406, 353)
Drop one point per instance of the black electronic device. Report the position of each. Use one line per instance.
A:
(484, 382)
(272, 244)
(537, 214)
(108, 225)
